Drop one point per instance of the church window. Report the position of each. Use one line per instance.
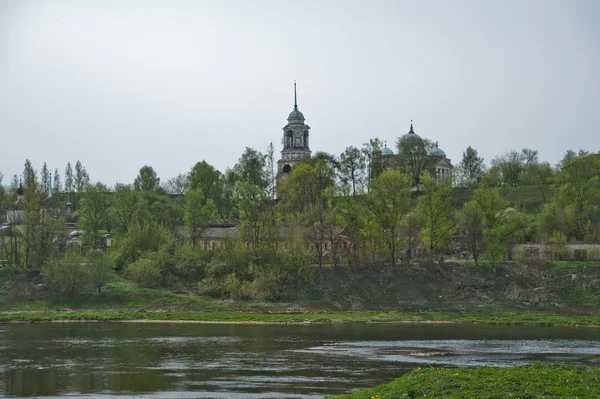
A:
(287, 169)
(306, 138)
(290, 137)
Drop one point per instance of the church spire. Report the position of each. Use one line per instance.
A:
(295, 98)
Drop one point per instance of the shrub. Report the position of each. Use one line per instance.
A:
(100, 269)
(68, 275)
(147, 272)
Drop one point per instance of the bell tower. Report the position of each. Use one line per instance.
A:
(295, 141)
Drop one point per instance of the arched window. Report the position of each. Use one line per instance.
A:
(287, 169)
(289, 139)
(306, 138)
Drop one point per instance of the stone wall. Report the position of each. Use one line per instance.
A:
(547, 251)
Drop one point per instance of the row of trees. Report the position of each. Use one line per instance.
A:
(354, 209)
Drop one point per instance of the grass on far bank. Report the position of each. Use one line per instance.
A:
(530, 381)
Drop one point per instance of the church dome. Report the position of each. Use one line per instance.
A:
(296, 115)
(439, 153)
(411, 137)
(20, 190)
(387, 151)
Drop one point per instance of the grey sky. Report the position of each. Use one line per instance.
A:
(120, 84)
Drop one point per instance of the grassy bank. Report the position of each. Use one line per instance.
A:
(565, 293)
(299, 316)
(531, 381)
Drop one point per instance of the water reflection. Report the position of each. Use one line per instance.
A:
(259, 361)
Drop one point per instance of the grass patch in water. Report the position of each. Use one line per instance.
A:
(530, 381)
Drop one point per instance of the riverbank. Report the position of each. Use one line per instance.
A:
(530, 381)
(107, 315)
(564, 294)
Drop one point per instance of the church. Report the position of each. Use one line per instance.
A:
(296, 146)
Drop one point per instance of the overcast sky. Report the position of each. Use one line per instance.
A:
(121, 84)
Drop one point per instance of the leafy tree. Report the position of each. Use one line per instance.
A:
(471, 167)
(258, 222)
(67, 275)
(580, 193)
(146, 180)
(57, 184)
(501, 225)
(206, 178)
(176, 185)
(69, 180)
(100, 269)
(371, 151)
(199, 212)
(388, 203)
(251, 168)
(471, 226)
(93, 213)
(352, 164)
(415, 158)
(81, 178)
(435, 206)
(45, 178)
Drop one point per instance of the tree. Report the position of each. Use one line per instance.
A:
(470, 222)
(501, 225)
(57, 186)
(388, 203)
(176, 185)
(206, 178)
(100, 269)
(415, 158)
(69, 180)
(579, 193)
(81, 178)
(146, 180)
(371, 151)
(258, 222)
(199, 212)
(352, 163)
(93, 213)
(270, 170)
(45, 178)
(471, 167)
(251, 168)
(435, 206)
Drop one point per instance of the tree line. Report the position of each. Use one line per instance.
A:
(350, 210)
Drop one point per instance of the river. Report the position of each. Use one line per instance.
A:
(183, 360)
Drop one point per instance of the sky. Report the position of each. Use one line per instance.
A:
(123, 84)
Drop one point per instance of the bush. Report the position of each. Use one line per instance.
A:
(68, 275)
(147, 272)
(100, 270)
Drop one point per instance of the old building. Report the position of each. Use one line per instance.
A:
(295, 142)
(439, 165)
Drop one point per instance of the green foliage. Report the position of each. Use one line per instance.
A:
(100, 269)
(93, 213)
(388, 204)
(146, 272)
(68, 275)
(199, 212)
(147, 180)
(435, 206)
(352, 164)
(471, 167)
(534, 381)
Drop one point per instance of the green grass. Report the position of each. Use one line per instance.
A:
(503, 318)
(525, 382)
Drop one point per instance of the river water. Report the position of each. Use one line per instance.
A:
(178, 360)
